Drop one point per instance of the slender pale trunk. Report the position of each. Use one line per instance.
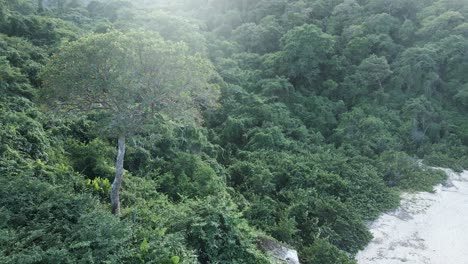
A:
(119, 173)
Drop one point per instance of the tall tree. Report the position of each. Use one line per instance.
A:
(305, 50)
(128, 79)
(373, 70)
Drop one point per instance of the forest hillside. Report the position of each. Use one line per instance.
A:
(186, 131)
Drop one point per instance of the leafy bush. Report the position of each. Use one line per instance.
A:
(321, 251)
(219, 233)
(407, 173)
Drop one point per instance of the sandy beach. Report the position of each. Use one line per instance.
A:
(428, 228)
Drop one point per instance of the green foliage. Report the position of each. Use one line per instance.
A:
(406, 172)
(323, 252)
(366, 132)
(373, 70)
(328, 110)
(23, 56)
(418, 70)
(188, 176)
(93, 159)
(444, 160)
(40, 30)
(99, 185)
(22, 136)
(173, 28)
(56, 225)
(175, 259)
(220, 234)
(305, 51)
(124, 79)
(441, 26)
(462, 96)
(261, 38)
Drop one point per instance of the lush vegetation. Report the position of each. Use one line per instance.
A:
(326, 109)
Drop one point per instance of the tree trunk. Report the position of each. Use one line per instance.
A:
(115, 192)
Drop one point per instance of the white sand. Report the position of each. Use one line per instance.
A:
(429, 228)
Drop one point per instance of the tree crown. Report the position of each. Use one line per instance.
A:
(129, 78)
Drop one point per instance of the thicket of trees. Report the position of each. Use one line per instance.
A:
(325, 110)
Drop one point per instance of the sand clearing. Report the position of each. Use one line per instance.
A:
(429, 228)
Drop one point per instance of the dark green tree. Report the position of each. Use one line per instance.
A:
(305, 50)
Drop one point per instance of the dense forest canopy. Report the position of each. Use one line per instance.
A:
(326, 109)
